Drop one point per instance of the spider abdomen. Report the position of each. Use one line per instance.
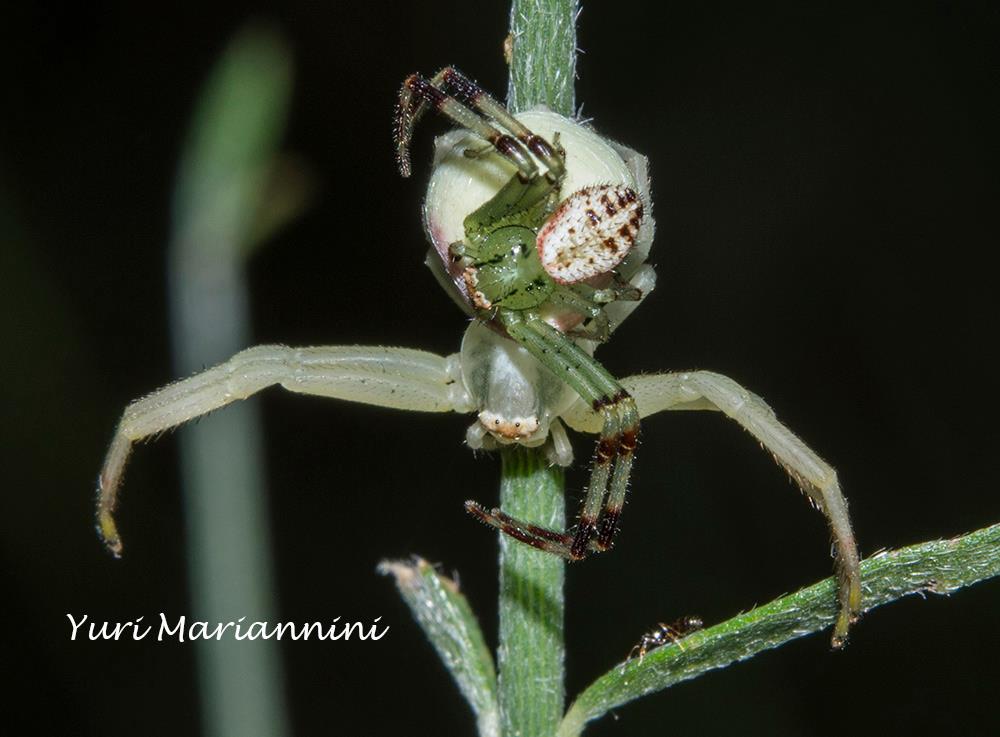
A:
(590, 233)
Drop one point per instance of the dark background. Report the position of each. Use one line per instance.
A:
(825, 188)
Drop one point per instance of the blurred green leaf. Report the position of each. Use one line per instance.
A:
(221, 198)
(232, 190)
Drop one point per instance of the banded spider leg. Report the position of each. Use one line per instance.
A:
(602, 506)
(697, 390)
(419, 92)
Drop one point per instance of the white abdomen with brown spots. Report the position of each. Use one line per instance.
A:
(590, 233)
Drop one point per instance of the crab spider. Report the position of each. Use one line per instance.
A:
(547, 276)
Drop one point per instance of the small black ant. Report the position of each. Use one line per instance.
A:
(664, 633)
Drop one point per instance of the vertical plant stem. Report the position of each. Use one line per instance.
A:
(532, 651)
(531, 656)
(543, 60)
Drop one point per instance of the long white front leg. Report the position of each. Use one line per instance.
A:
(706, 390)
(389, 377)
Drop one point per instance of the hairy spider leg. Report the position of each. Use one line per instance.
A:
(616, 445)
(546, 540)
(472, 94)
(413, 103)
(613, 455)
(694, 390)
(416, 89)
(387, 377)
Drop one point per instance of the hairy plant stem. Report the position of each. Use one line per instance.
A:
(531, 653)
(543, 55)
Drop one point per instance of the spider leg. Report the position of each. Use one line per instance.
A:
(620, 290)
(597, 326)
(472, 94)
(557, 543)
(388, 377)
(817, 479)
(418, 92)
(613, 455)
(559, 450)
(592, 303)
(414, 104)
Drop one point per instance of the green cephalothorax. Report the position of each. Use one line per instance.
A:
(516, 203)
(505, 271)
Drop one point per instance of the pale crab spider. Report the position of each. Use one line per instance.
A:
(539, 230)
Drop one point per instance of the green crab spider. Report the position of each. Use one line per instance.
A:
(547, 277)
